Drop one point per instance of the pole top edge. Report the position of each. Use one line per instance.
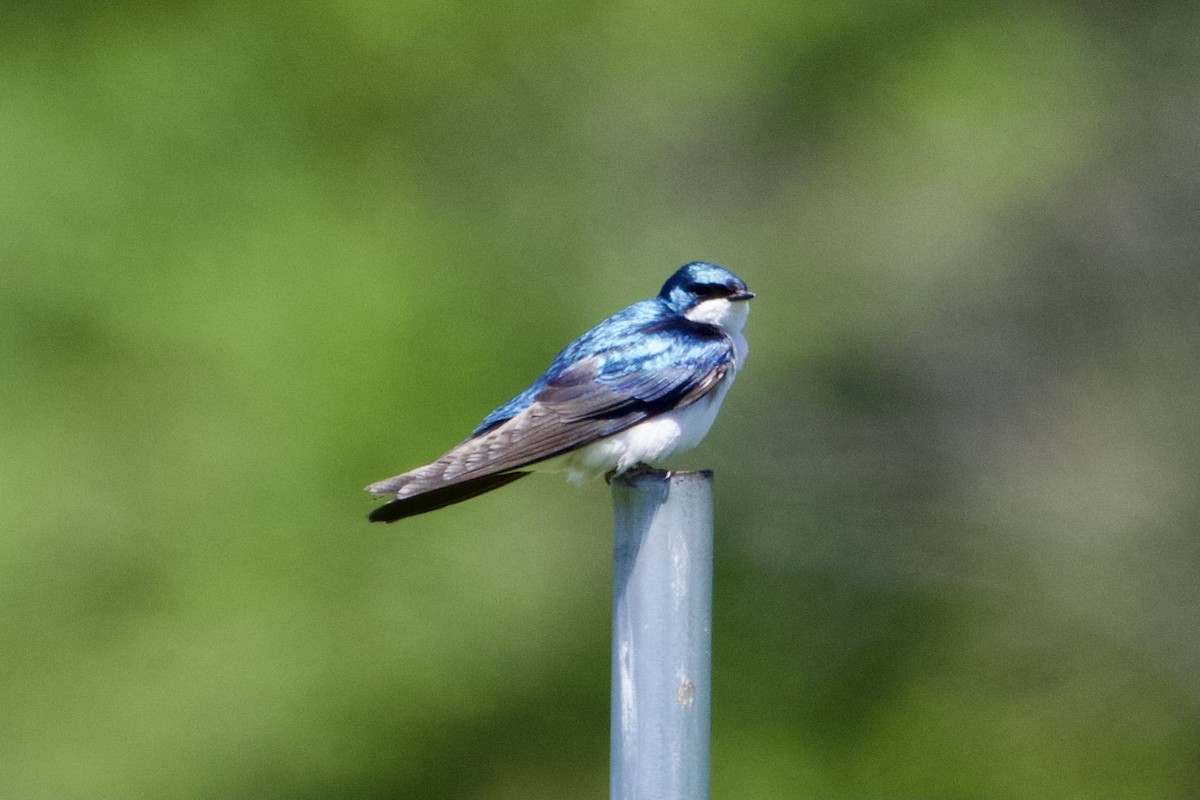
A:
(644, 473)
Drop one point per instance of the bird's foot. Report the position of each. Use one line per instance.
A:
(640, 468)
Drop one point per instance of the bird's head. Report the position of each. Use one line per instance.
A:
(706, 293)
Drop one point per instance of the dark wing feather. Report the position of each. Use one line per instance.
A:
(440, 498)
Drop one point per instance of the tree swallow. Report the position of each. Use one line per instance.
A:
(642, 386)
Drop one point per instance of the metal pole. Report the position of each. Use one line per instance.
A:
(662, 636)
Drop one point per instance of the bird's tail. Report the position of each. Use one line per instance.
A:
(432, 499)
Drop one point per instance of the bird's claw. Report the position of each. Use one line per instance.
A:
(640, 468)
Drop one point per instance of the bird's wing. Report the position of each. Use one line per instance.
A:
(593, 398)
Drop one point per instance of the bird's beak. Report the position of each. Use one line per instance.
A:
(744, 294)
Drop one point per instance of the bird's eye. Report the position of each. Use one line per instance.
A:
(711, 290)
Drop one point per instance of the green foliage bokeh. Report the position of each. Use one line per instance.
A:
(253, 257)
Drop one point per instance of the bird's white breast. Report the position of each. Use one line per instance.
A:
(659, 438)
(651, 441)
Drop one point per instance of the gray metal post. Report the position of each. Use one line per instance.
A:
(662, 636)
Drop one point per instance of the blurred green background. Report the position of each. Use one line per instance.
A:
(253, 256)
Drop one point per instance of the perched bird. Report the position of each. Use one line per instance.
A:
(642, 386)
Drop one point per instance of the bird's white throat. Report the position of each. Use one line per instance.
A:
(729, 317)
